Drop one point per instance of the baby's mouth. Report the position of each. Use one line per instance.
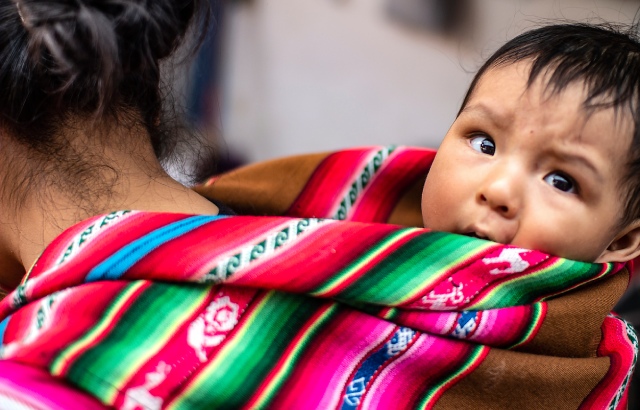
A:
(476, 235)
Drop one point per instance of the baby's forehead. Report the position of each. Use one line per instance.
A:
(546, 84)
(550, 121)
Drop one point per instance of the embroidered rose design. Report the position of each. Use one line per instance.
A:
(211, 327)
(221, 315)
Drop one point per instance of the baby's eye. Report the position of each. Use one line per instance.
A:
(560, 181)
(484, 144)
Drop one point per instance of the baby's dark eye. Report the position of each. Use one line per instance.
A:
(483, 144)
(560, 181)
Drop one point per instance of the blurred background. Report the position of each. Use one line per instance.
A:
(283, 77)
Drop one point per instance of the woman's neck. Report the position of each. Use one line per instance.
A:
(123, 176)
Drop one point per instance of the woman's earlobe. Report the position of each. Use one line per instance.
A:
(625, 247)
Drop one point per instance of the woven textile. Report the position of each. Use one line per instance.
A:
(318, 304)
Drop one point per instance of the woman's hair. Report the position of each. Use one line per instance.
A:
(604, 58)
(88, 59)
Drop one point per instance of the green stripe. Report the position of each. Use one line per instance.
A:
(526, 289)
(413, 266)
(378, 248)
(295, 356)
(141, 331)
(249, 357)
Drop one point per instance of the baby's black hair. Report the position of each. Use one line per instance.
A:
(606, 59)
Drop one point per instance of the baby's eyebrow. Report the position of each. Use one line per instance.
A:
(580, 160)
(497, 116)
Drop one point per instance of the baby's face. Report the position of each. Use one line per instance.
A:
(522, 167)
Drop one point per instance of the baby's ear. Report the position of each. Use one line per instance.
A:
(625, 247)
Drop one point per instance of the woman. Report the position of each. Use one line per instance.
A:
(175, 306)
(82, 117)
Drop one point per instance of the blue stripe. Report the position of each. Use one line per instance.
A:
(120, 262)
(3, 328)
(360, 380)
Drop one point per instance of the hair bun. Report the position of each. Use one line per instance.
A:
(95, 44)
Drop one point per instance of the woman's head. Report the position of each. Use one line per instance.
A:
(75, 74)
(85, 58)
(81, 116)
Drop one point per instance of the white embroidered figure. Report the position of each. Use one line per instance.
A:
(445, 301)
(140, 398)
(399, 341)
(211, 327)
(355, 390)
(510, 256)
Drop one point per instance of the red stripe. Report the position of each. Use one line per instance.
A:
(68, 322)
(328, 182)
(616, 345)
(293, 344)
(182, 257)
(185, 384)
(94, 252)
(177, 349)
(398, 174)
(319, 255)
(380, 257)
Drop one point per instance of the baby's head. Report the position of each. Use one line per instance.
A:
(545, 151)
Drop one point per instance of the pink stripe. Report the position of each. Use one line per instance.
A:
(405, 381)
(616, 345)
(40, 390)
(321, 370)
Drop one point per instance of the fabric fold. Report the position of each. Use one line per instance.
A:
(326, 305)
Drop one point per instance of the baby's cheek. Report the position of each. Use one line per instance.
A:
(436, 214)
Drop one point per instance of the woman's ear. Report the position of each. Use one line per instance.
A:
(625, 246)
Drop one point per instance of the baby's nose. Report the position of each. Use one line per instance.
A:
(502, 192)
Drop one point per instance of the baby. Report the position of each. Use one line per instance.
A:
(545, 151)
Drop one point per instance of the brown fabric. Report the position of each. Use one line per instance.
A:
(271, 187)
(407, 211)
(267, 188)
(573, 328)
(520, 381)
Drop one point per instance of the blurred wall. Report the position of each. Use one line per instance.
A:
(313, 75)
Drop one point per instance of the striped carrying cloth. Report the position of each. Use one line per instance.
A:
(315, 305)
